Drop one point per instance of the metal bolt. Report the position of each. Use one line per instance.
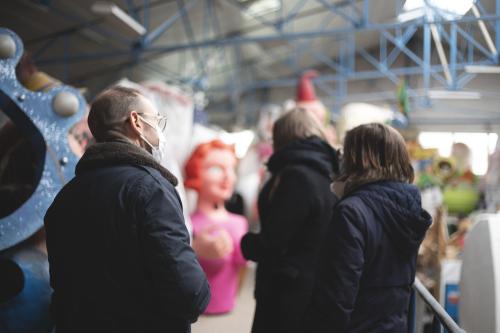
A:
(7, 47)
(63, 161)
(21, 97)
(65, 104)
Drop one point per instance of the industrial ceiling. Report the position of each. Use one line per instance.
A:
(237, 49)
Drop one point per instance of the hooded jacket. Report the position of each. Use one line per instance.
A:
(119, 253)
(368, 259)
(295, 206)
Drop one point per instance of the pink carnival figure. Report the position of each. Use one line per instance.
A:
(210, 171)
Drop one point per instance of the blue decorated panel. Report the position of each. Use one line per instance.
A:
(34, 115)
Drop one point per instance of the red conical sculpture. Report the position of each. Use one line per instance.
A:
(305, 88)
(307, 100)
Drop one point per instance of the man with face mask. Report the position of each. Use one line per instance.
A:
(119, 252)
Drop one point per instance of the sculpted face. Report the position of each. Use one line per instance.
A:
(218, 175)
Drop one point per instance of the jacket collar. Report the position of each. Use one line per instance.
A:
(120, 152)
(313, 152)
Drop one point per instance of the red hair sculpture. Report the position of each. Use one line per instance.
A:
(195, 162)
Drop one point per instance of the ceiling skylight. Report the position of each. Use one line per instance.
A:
(414, 9)
(262, 7)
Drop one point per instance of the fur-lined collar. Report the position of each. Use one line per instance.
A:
(120, 152)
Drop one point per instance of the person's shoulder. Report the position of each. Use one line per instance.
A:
(129, 174)
(352, 208)
(352, 201)
(297, 173)
(142, 183)
(152, 180)
(297, 168)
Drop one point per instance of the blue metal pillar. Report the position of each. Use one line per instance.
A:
(146, 10)
(453, 55)
(132, 11)
(427, 63)
(366, 12)
(188, 29)
(382, 41)
(497, 27)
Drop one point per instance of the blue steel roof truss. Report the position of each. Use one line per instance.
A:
(394, 42)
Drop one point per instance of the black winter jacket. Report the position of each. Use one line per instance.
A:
(119, 252)
(368, 260)
(295, 206)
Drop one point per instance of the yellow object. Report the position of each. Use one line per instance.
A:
(40, 81)
(418, 153)
(444, 168)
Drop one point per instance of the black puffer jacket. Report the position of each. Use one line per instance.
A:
(295, 207)
(367, 264)
(119, 252)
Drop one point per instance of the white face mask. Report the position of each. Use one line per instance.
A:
(158, 152)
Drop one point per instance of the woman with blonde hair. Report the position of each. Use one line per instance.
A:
(368, 258)
(295, 206)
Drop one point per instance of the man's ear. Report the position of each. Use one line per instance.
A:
(135, 124)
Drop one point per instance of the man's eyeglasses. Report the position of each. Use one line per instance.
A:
(160, 120)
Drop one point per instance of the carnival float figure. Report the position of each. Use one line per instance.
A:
(210, 171)
(306, 99)
(35, 162)
(461, 190)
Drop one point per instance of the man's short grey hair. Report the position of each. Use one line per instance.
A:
(110, 110)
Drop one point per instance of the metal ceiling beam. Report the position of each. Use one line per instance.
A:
(294, 12)
(188, 29)
(339, 10)
(147, 12)
(378, 65)
(344, 67)
(132, 10)
(70, 16)
(136, 51)
(88, 24)
(382, 28)
(162, 28)
(405, 38)
(354, 76)
(307, 34)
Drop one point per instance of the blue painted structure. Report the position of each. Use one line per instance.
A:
(32, 113)
(27, 311)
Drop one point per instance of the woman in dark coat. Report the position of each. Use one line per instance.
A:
(295, 206)
(367, 264)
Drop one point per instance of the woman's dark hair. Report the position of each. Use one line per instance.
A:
(375, 152)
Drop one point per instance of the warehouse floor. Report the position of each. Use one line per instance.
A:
(238, 321)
